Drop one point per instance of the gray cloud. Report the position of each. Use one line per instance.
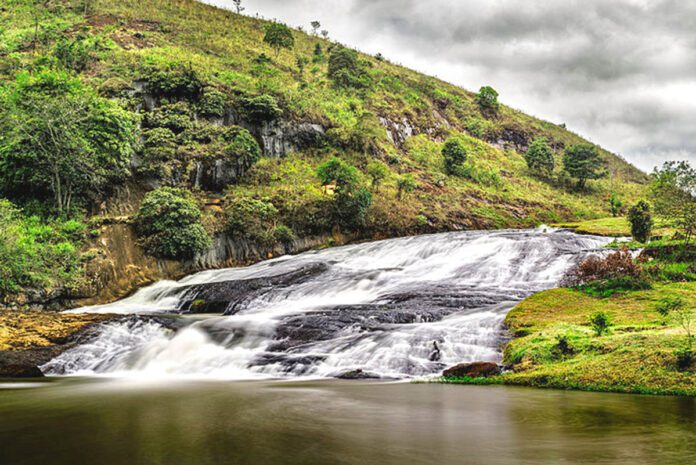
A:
(622, 72)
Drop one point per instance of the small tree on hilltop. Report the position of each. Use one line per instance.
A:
(238, 6)
(583, 162)
(641, 221)
(454, 154)
(315, 27)
(673, 192)
(279, 36)
(539, 157)
(487, 99)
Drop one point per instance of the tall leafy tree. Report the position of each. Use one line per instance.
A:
(673, 192)
(539, 157)
(641, 221)
(279, 36)
(59, 137)
(582, 161)
(487, 99)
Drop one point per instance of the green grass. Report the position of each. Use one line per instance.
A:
(636, 356)
(613, 227)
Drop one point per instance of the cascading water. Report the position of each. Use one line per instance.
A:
(398, 308)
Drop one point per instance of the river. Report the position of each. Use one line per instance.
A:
(73, 421)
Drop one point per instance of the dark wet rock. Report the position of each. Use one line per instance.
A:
(473, 370)
(21, 369)
(357, 374)
(229, 297)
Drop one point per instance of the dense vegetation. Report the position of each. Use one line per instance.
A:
(291, 133)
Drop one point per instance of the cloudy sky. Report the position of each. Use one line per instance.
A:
(622, 73)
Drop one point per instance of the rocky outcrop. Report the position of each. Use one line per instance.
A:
(473, 370)
(280, 138)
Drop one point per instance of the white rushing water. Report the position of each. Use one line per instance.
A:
(400, 307)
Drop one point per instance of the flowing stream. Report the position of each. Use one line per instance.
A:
(394, 308)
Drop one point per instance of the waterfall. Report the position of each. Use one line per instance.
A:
(380, 307)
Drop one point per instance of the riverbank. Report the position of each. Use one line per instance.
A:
(31, 338)
(555, 347)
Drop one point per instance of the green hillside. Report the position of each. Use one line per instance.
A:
(263, 145)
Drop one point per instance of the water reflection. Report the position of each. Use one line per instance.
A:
(116, 422)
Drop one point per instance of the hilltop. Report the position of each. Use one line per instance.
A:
(279, 149)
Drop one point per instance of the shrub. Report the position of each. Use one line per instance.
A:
(279, 36)
(405, 185)
(261, 109)
(615, 204)
(487, 99)
(539, 158)
(252, 219)
(176, 117)
(336, 170)
(377, 171)
(159, 144)
(212, 103)
(582, 161)
(600, 322)
(617, 265)
(667, 306)
(178, 81)
(454, 154)
(351, 200)
(169, 223)
(242, 148)
(641, 221)
(75, 54)
(685, 357)
(346, 70)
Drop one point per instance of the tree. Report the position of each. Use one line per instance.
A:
(673, 193)
(582, 161)
(315, 27)
(377, 171)
(351, 200)
(279, 36)
(539, 157)
(600, 322)
(325, 34)
(487, 99)
(641, 221)
(60, 138)
(238, 6)
(405, 185)
(454, 154)
(169, 223)
(345, 69)
(615, 204)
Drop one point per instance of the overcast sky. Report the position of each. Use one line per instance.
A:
(622, 73)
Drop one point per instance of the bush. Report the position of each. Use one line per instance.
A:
(346, 70)
(377, 171)
(454, 154)
(159, 145)
(169, 223)
(351, 200)
(405, 185)
(641, 221)
(615, 204)
(279, 36)
(613, 273)
(253, 220)
(539, 158)
(261, 109)
(685, 357)
(487, 99)
(212, 103)
(600, 322)
(176, 117)
(178, 81)
(667, 306)
(336, 170)
(75, 54)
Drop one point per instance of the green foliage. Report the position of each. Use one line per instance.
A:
(377, 171)
(487, 99)
(242, 148)
(59, 137)
(673, 192)
(346, 70)
(177, 117)
(351, 200)
(279, 36)
(37, 253)
(600, 322)
(405, 185)
(159, 145)
(175, 81)
(454, 154)
(615, 204)
(76, 54)
(582, 161)
(169, 224)
(667, 306)
(641, 221)
(539, 158)
(212, 103)
(254, 220)
(261, 109)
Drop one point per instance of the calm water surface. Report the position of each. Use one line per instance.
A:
(108, 422)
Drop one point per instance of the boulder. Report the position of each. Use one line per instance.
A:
(20, 371)
(357, 374)
(473, 370)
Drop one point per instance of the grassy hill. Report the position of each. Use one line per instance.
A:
(189, 72)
